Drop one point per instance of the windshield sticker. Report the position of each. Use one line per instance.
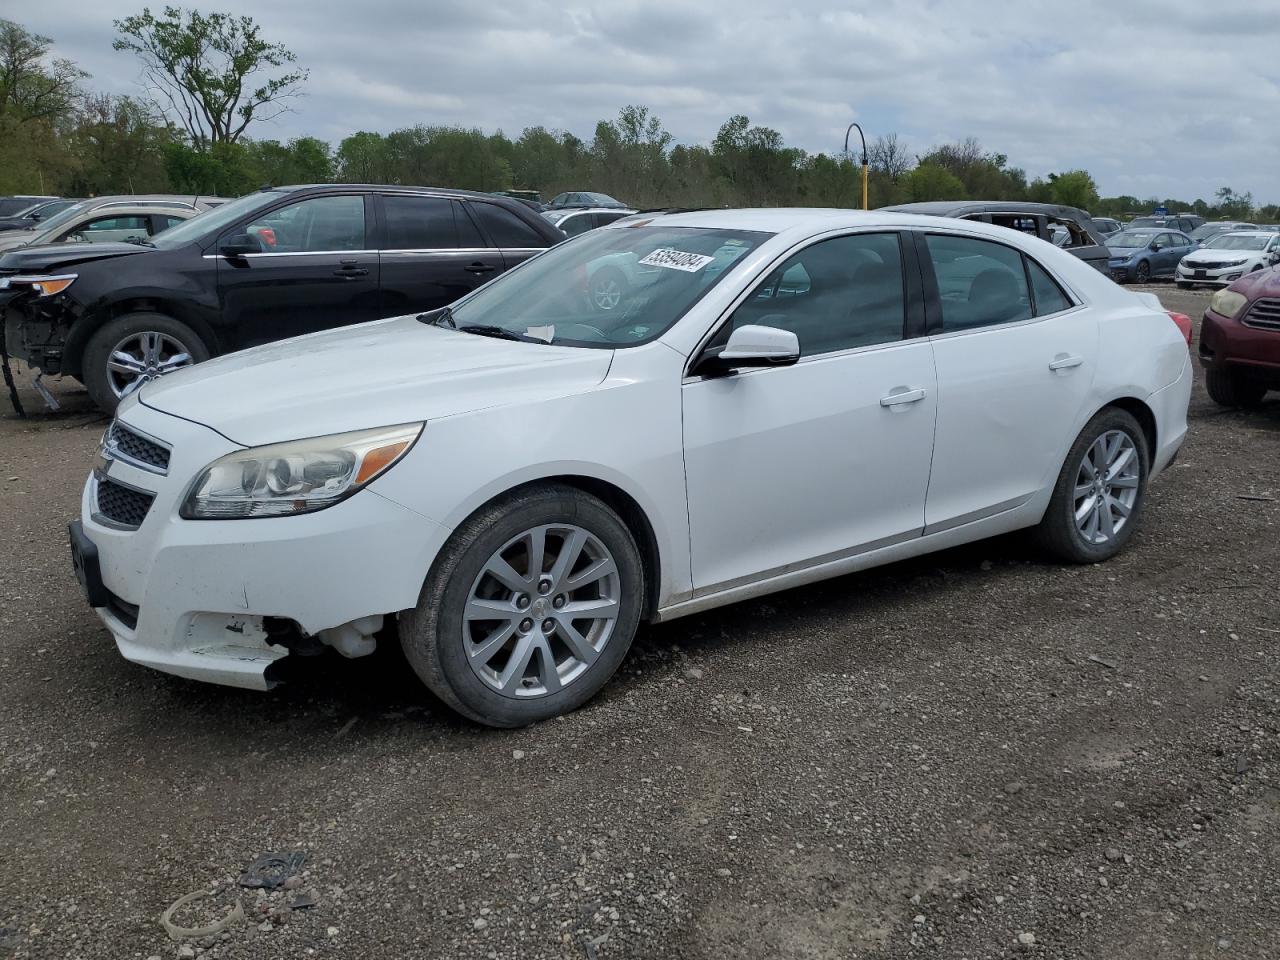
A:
(546, 333)
(676, 260)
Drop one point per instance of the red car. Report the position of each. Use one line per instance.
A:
(1240, 340)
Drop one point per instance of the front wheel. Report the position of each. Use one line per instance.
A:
(1142, 274)
(134, 349)
(1228, 388)
(529, 609)
(1100, 490)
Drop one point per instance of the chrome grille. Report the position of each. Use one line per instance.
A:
(124, 443)
(1264, 314)
(122, 505)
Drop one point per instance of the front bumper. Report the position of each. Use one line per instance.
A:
(1219, 276)
(1120, 272)
(1227, 343)
(188, 597)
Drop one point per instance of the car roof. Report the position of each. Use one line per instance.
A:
(574, 211)
(811, 219)
(391, 188)
(951, 208)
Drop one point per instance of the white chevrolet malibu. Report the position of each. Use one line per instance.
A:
(516, 482)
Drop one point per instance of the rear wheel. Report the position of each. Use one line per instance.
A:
(134, 349)
(1100, 490)
(1229, 388)
(529, 609)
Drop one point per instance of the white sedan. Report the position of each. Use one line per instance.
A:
(515, 483)
(1228, 257)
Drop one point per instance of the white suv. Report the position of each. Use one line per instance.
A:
(518, 481)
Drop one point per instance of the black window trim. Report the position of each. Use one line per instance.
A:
(933, 299)
(915, 300)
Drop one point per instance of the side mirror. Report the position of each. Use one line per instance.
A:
(1155, 244)
(752, 346)
(238, 244)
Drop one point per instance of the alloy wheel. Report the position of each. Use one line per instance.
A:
(142, 357)
(541, 611)
(607, 293)
(1106, 486)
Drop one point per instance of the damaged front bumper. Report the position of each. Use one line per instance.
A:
(225, 601)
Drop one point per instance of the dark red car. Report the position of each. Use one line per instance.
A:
(1240, 340)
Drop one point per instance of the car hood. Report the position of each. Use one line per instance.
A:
(368, 375)
(1260, 283)
(60, 255)
(1223, 256)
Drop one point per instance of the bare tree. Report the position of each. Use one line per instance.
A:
(889, 157)
(209, 72)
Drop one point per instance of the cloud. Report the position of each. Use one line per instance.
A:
(1153, 98)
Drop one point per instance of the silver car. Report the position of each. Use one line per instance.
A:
(110, 220)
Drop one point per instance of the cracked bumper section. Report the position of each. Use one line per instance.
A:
(197, 590)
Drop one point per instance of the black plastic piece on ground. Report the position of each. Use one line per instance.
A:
(8, 381)
(271, 870)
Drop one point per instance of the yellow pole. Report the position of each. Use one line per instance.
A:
(865, 205)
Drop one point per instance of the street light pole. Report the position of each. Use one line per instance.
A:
(865, 204)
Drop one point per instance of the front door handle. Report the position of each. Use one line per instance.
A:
(1064, 362)
(350, 270)
(902, 395)
(479, 267)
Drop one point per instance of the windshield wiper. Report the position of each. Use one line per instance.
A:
(442, 317)
(492, 330)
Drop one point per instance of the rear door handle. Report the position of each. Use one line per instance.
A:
(1064, 362)
(350, 272)
(902, 396)
(479, 267)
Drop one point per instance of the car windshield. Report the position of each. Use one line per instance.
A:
(1237, 241)
(212, 221)
(1147, 222)
(1133, 238)
(608, 288)
(51, 226)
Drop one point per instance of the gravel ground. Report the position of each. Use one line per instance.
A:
(975, 754)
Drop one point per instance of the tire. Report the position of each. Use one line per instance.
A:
(608, 290)
(437, 637)
(1142, 273)
(173, 339)
(1228, 388)
(1059, 533)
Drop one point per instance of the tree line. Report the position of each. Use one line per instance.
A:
(207, 79)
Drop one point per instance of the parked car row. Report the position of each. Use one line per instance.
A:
(115, 219)
(273, 264)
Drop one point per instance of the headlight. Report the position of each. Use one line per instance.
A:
(1231, 263)
(43, 286)
(1228, 303)
(300, 476)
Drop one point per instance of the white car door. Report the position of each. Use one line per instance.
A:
(792, 466)
(1015, 362)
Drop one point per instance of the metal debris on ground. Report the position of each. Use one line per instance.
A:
(1109, 664)
(1242, 764)
(271, 870)
(234, 916)
(302, 901)
(1247, 496)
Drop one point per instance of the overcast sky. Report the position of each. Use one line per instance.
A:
(1153, 97)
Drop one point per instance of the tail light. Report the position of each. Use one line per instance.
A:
(1184, 324)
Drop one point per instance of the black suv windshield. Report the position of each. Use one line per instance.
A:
(610, 287)
(213, 221)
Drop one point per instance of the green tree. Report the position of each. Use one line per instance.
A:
(1075, 188)
(33, 87)
(204, 70)
(117, 146)
(362, 158)
(932, 182)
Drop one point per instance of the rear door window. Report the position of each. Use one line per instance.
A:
(1050, 297)
(980, 283)
(419, 223)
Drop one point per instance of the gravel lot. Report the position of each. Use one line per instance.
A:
(976, 754)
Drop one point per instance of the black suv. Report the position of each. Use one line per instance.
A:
(273, 264)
